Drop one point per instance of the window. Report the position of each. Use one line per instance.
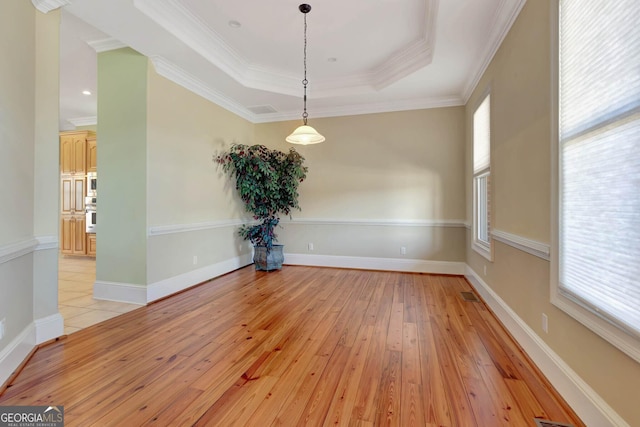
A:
(482, 178)
(597, 265)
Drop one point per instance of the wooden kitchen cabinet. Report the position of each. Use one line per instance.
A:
(78, 155)
(91, 244)
(73, 235)
(73, 152)
(92, 154)
(72, 191)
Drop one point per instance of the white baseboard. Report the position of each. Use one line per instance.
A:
(12, 356)
(183, 281)
(368, 263)
(142, 295)
(589, 406)
(120, 292)
(48, 328)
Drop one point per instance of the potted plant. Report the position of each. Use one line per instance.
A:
(267, 182)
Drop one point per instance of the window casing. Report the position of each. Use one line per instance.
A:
(482, 178)
(596, 260)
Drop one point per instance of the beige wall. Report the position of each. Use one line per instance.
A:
(28, 179)
(184, 132)
(185, 187)
(46, 163)
(17, 124)
(395, 167)
(402, 165)
(17, 112)
(519, 78)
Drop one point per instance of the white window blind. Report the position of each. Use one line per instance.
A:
(481, 177)
(481, 136)
(599, 136)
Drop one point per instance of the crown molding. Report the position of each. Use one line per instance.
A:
(84, 121)
(188, 28)
(177, 75)
(46, 6)
(504, 18)
(373, 108)
(104, 45)
(191, 30)
(413, 57)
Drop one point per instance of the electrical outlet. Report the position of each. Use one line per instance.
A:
(195, 259)
(310, 246)
(2, 323)
(403, 250)
(545, 323)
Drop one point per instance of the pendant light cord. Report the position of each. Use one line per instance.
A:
(305, 81)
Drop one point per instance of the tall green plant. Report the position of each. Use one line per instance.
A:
(267, 182)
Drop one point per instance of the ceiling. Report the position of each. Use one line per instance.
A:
(363, 56)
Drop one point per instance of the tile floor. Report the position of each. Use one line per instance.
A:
(75, 295)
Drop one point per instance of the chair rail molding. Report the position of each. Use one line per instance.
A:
(183, 228)
(377, 222)
(17, 249)
(539, 249)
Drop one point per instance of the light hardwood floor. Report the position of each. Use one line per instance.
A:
(302, 346)
(79, 309)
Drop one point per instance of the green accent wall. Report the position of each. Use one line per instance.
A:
(122, 167)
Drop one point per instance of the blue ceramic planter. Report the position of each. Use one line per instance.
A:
(268, 261)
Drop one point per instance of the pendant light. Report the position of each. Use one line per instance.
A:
(305, 134)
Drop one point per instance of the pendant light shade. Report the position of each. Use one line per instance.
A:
(305, 134)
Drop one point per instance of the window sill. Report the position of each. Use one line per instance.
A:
(484, 250)
(628, 344)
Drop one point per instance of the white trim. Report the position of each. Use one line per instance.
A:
(104, 45)
(46, 242)
(369, 108)
(179, 76)
(183, 281)
(614, 334)
(120, 292)
(17, 249)
(369, 263)
(84, 121)
(587, 404)
(12, 356)
(183, 24)
(376, 222)
(505, 17)
(483, 250)
(46, 6)
(533, 247)
(412, 57)
(169, 70)
(625, 342)
(48, 328)
(183, 228)
(142, 295)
